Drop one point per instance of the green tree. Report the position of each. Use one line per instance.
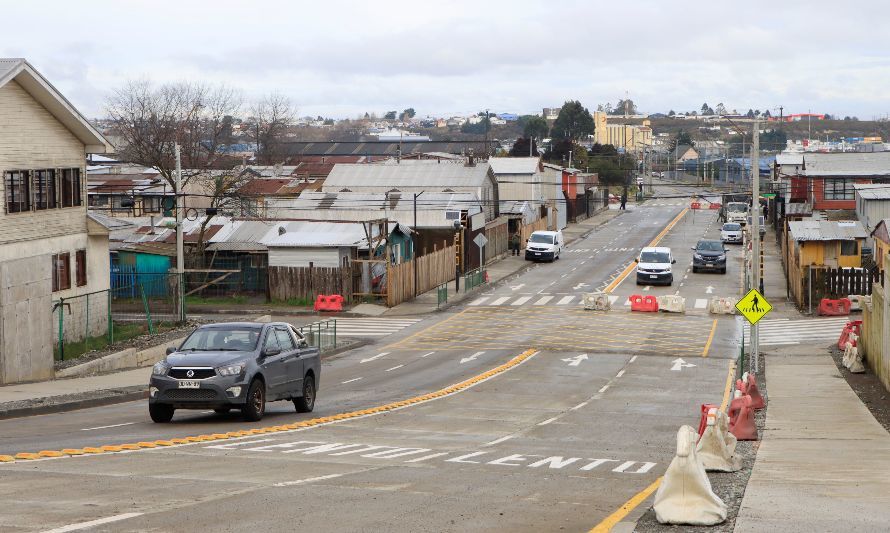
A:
(682, 137)
(574, 122)
(478, 128)
(520, 148)
(672, 113)
(706, 109)
(536, 127)
(774, 140)
(408, 114)
(390, 115)
(625, 106)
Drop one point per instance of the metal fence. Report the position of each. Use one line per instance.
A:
(322, 335)
(474, 278)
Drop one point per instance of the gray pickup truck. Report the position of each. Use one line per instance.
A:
(236, 365)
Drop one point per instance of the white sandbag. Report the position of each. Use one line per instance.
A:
(714, 449)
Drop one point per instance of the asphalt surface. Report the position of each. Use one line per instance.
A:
(559, 441)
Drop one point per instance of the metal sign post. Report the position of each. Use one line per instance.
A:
(755, 237)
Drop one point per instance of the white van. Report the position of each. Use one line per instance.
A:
(544, 245)
(654, 266)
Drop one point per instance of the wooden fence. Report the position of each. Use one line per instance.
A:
(306, 283)
(528, 229)
(433, 269)
(808, 285)
(498, 236)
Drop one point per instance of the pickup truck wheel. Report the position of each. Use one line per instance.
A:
(307, 402)
(160, 413)
(255, 407)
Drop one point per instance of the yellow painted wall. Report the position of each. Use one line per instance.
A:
(828, 253)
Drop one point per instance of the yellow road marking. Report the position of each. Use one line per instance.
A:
(631, 504)
(704, 352)
(610, 521)
(452, 389)
(425, 329)
(617, 281)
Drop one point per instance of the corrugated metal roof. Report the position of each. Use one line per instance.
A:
(514, 165)
(789, 158)
(316, 234)
(240, 235)
(823, 230)
(406, 176)
(873, 191)
(859, 164)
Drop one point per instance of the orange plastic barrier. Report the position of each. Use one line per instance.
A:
(332, 302)
(853, 327)
(695, 205)
(703, 423)
(743, 426)
(828, 307)
(644, 304)
(715, 205)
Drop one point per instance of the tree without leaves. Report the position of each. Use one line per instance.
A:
(573, 122)
(272, 115)
(721, 109)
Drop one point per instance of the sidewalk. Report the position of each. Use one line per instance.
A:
(497, 270)
(823, 461)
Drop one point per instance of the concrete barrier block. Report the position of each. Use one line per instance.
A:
(596, 301)
(685, 495)
(672, 303)
(722, 306)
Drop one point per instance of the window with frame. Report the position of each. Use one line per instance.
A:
(849, 248)
(71, 194)
(838, 189)
(61, 272)
(151, 204)
(17, 184)
(80, 261)
(45, 189)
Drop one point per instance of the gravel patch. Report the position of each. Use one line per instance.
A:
(730, 486)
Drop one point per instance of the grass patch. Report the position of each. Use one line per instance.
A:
(198, 300)
(122, 331)
(293, 302)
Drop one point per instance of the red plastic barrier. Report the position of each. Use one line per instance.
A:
(743, 427)
(644, 304)
(703, 423)
(715, 205)
(853, 327)
(828, 307)
(695, 205)
(333, 302)
(757, 400)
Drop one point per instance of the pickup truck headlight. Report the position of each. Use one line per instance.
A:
(160, 368)
(230, 370)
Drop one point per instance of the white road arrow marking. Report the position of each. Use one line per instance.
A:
(471, 358)
(575, 361)
(378, 356)
(516, 288)
(709, 290)
(680, 364)
(578, 286)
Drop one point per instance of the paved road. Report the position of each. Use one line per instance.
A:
(561, 440)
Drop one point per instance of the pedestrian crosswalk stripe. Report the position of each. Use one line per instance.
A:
(522, 300)
(500, 301)
(612, 299)
(544, 300)
(785, 332)
(565, 300)
(479, 301)
(701, 303)
(372, 327)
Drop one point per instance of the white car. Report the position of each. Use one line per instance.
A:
(654, 266)
(544, 245)
(731, 232)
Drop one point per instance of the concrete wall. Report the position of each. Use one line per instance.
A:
(25, 318)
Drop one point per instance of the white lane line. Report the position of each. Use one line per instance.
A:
(378, 356)
(576, 268)
(111, 426)
(544, 423)
(632, 359)
(479, 301)
(565, 300)
(522, 300)
(579, 406)
(500, 300)
(93, 523)
(497, 441)
(307, 480)
(604, 389)
(543, 300)
(393, 368)
(620, 373)
(349, 381)
(701, 303)
(427, 355)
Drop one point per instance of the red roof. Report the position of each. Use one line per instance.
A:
(263, 187)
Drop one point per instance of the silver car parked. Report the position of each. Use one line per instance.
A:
(236, 365)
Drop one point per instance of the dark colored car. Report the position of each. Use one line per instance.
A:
(236, 365)
(709, 255)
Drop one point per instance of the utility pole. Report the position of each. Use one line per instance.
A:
(755, 237)
(180, 253)
(414, 242)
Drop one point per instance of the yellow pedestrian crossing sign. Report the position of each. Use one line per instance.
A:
(753, 306)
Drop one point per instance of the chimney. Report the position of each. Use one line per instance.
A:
(151, 223)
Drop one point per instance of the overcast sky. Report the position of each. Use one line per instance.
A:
(341, 58)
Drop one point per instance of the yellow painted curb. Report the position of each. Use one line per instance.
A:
(111, 448)
(73, 451)
(130, 446)
(50, 453)
(147, 444)
(93, 450)
(164, 442)
(26, 456)
(6, 459)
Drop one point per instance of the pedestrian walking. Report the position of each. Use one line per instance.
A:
(514, 243)
(623, 201)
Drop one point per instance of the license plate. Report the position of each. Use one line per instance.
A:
(537, 253)
(184, 384)
(653, 277)
(709, 264)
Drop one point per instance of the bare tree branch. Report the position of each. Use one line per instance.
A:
(271, 115)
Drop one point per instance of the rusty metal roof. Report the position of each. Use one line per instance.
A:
(823, 230)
